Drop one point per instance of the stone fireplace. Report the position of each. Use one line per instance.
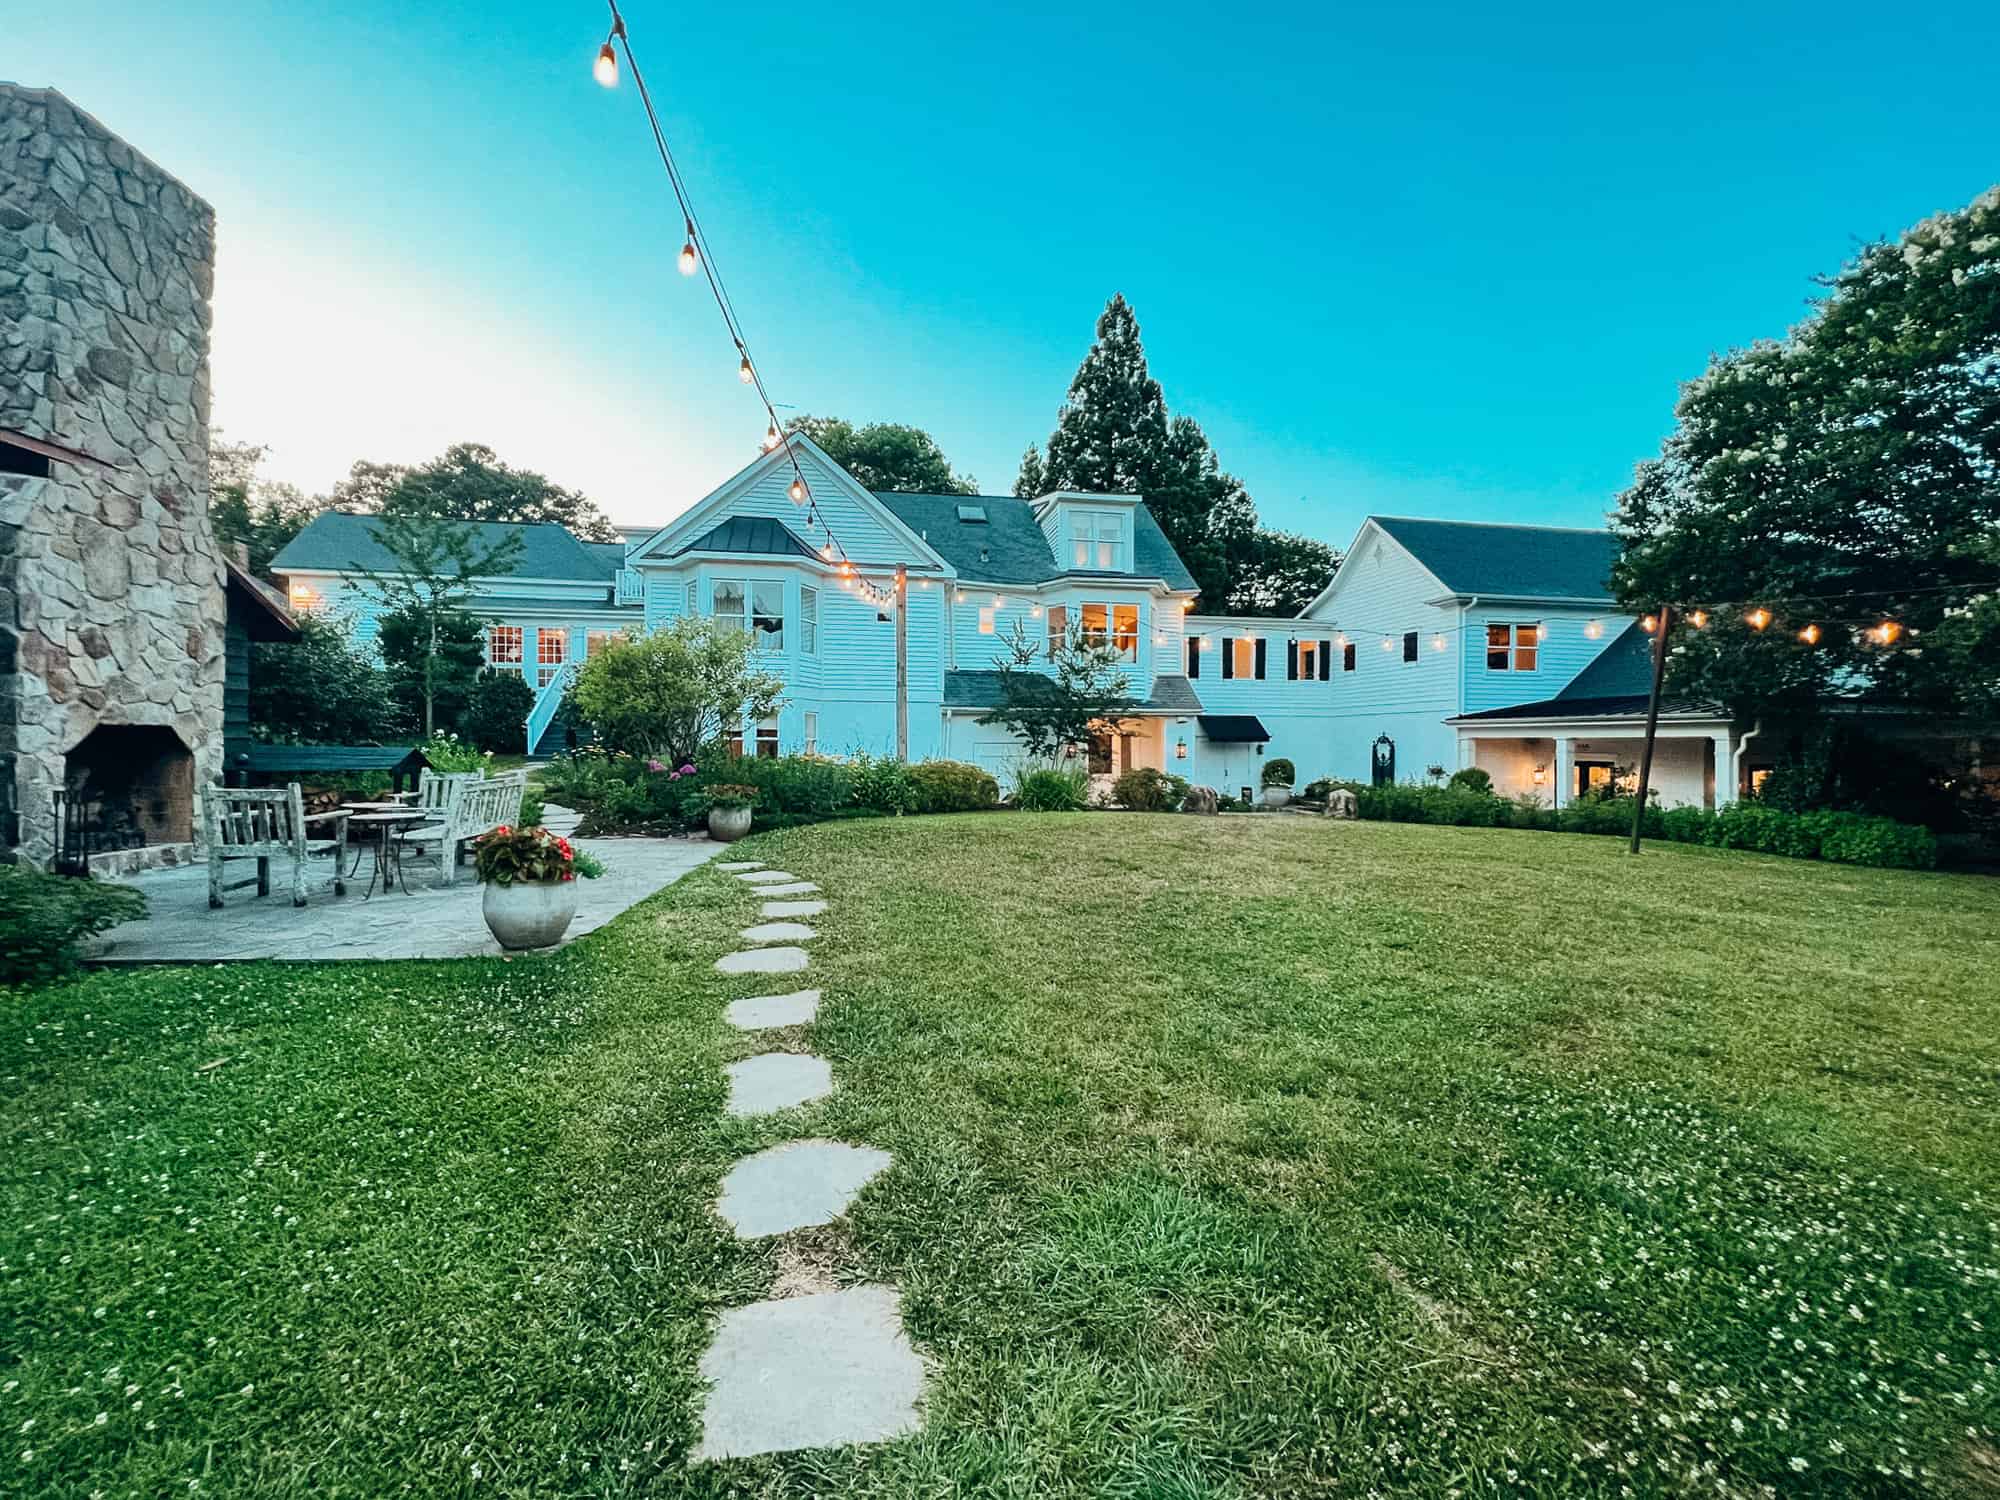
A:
(112, 604)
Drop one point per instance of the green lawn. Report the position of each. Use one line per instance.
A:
(1234, 1157)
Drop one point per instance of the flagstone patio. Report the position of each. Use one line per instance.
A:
(425, 921)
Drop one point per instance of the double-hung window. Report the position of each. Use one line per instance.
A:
(594, 641)
(551, 651)
(1310, 658)
(809, 621)
(1513, 648)
(1097, 624)
(726, 604)
(986, 619)
(1243, 656)
(694, 598)
(1097, 541)
(767, 615)
(1058, 628)
(1125, 630)
(767, 740)
(503, 645)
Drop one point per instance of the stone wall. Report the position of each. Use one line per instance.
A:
(111, 587)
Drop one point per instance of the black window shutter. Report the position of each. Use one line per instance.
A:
(1291, 661)
(1409, 645)
(1260, 658)
(1347, 657)
(1228, 657)
(1194, 657)
(1325, 660)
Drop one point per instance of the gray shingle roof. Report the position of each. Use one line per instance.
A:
(1013, 546)
(759, 536)
(981, 689)
(1531, 562)
(340, 541)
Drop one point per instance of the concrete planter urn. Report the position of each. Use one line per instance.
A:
(529, 913)
(728, 824)
(1276, 797)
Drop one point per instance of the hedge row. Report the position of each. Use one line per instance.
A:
(1844, 837)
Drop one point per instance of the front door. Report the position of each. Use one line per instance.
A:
(1594, 776)
(1100, 754)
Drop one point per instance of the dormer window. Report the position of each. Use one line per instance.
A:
(1097, 541)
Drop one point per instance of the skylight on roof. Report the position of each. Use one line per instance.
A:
(972, 515)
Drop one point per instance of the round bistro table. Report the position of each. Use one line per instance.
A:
(385, 823)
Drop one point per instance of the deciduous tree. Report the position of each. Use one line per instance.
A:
(1087, 692)
(886, 455)
(670, 693)
(469, 482)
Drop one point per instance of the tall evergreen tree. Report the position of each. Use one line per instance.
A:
(1115, 435)
(1034, 478)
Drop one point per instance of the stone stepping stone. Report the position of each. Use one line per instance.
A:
(762, 1012)
(741, 864)
(810, 1372)
(795, 1185)
(763, 961)
(796, 888)
(765, 877)
(792, 908)
(778, 932)
(773, 1081)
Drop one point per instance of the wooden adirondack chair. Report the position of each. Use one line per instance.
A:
(267, 823)
(470, 807)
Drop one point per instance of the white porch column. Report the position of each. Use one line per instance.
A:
(1721, 785)
(1468, 751)
(1564, 775)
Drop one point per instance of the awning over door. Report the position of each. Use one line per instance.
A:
(1234, 729)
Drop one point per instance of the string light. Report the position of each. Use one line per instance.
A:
(690, 262)
(1699, 619)
(743, 371)
(1387, 644)
(1650, 624)
(1594, 629)
(798, 491)
(1758, 618)
(1887, 633)
(771, 438)
(1810, 635)
(1437, 641)
(605, 71)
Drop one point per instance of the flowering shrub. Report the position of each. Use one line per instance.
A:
(448, 753)
(726, 796)
(532, 856)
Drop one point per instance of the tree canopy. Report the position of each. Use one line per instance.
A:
(261, 514)
(670, 693)
(1842, 477)
(1115, 435)
(1052, 712)
(470, 482)
(886, 455)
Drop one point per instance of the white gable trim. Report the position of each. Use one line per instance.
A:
(712, 507)
(1369, 532)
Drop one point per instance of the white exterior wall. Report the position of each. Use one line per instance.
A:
(1685, 763)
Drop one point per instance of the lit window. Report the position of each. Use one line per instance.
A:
(1512, 648)
(594, 641)
(551, 651)
(1125, 630)
(767, 614)
(1244, 651)
(986, 619)
(1309, 659)
(1097, 624)
(1058, 628)
(767, 740)
(503, 645)
(728, 602)
(809, 621)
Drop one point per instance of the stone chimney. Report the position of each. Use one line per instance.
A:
(111, 586)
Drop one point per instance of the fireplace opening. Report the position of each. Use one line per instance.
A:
(125, 786)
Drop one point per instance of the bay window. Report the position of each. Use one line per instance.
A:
(809, 621)
(767, 615)
(728, 602)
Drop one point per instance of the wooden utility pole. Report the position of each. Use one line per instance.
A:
(902, 662)
(1652, 720)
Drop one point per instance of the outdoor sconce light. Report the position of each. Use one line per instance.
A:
(1541, 774)
(1180, 750)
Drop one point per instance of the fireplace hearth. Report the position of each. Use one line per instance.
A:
(126, 786)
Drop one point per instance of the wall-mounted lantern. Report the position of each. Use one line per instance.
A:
(1180, 750)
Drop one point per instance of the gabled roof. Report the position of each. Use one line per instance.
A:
(1009, 546)
(1615, 685)
(339, 541)
(757, 536)
(1516, 562)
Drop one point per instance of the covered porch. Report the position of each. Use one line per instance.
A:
(1561, 758)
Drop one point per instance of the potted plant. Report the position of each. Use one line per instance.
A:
(1279, 775)
(729, 809)
(530, 879)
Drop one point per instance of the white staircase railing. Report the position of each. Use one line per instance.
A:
(547, 701)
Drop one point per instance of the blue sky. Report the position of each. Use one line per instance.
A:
(1445, 261)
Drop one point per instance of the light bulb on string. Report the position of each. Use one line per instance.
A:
(797, 491)
(1758, 618)
(770, 437)
(605, 70)
(1810, 635)
(1699, 619)
(743, 371)
(689, 260)
(1387, 644)
(1887, 633)
(1594, 629)
(1437, 642)
(1650, 624)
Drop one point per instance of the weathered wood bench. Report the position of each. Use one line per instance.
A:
(267, 823)
(468, 808)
